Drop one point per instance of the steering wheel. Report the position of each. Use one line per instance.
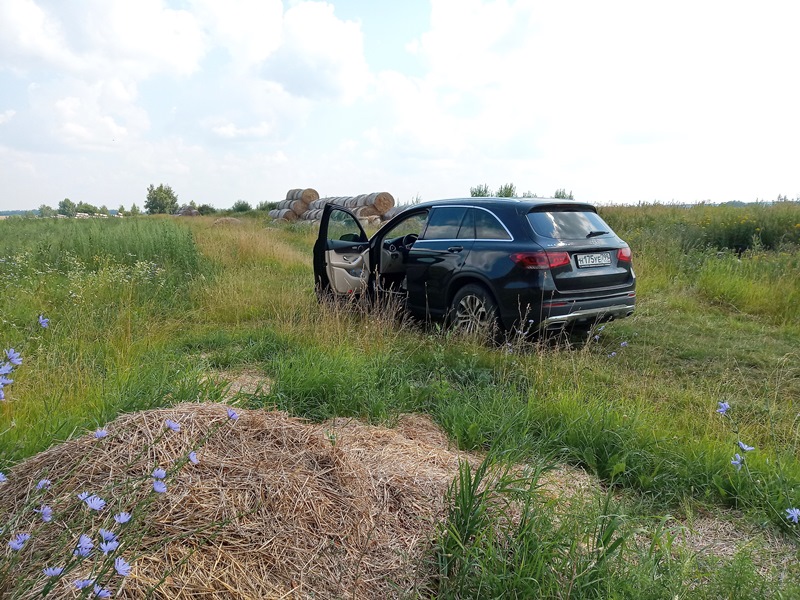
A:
(408, 240)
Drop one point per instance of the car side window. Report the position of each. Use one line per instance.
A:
(344, 227)
(467, 230)
(487, 227)
(444, 223)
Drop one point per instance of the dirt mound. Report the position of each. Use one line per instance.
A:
(275, 507)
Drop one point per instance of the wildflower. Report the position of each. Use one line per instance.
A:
(52, 571)
(122, 517)
(193, 457)
(232, 415)
(84, 547)
(159, 474)
(623, 344)
(13, 357)
(724, 407)
(3, 477)
(100, 434)
(109, 546)
(46, 512)
(597, 338)
(159, 486)
(172, 425)
(2, 393)
(108, 536)
(83, 496)
(122, 567)
(18, 541)
(43, 322)
(745, 447)
(6, 368)
(737, 461)
(44, 484)
(601, 328)
(95, 502)
(83, 583)
(793, 514)
(100, 592)
(612, 355)
(5, 380)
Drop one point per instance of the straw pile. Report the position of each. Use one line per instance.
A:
(276, 507)
(306, 205)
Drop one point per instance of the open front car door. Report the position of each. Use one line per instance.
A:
(341, 253)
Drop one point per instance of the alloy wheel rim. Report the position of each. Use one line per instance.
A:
(471, 315)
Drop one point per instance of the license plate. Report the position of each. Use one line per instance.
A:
(597, 259)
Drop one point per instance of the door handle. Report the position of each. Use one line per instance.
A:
(455, 248)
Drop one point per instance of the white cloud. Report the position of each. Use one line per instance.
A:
(7, 115)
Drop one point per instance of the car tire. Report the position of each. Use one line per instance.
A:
(474, 311)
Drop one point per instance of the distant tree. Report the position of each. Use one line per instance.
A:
(103, 210)
(529, 194)
(134, 210)
(193, 204)
(85, 207)
(121, 210)
(480, 191)
(67, 208)
(241, 206)
(265, 206)
(561, 194)
(161, 200)
(206, 209)
(508, 190)
(46, 211)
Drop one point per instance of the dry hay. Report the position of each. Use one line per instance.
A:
(227, 221)
(277, 507)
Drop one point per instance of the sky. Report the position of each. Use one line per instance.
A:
(621, 101)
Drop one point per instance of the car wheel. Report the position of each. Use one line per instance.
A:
(474, 311)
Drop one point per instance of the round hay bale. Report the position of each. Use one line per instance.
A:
(383, 201)
(287, 214)
(275, 507)
(395, 210)
(308, 195)
(365, 211)
(292, 194)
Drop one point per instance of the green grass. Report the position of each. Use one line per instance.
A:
(142, 310)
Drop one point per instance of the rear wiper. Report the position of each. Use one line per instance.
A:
(595, 233)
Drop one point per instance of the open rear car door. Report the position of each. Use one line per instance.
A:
(341, 253)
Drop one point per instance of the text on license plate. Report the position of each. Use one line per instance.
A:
(596, 259)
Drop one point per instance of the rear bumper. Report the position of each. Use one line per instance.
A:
(587, 316)
(558, 314)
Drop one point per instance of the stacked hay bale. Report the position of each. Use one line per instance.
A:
(295, 205)
(370, 208)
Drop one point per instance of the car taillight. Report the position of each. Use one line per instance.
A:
(624, 255)
(541, 259)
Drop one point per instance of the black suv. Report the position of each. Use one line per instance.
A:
(520, 264)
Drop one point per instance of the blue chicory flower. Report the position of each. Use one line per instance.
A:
(745, 447)
(623, 344)
(100, 434)
(46, 512)
(18, 541)
(122, 517)
(597, 338)
(232, 415)
(43, 322)
(122, 567)
(737, 461)
(193, 457)
(3, 477)
(95, 502)
(83, 583)
(13, 357)
(52, 571)
(159, 474)
(5, 380)
(101, 592)
(2, 393)
(172, 425)
(44, 484)
(110, 546)
(107, 536)
(6, 368)
(793, 514)
(83, 496)
(159, 486)
(724, 407)
(612, 355)
(84, 547)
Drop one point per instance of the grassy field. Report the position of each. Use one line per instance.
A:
(142, 310)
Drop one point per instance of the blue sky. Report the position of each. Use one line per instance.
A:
(620, 102)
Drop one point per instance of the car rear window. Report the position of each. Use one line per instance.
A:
(568, 224)
(487, 227)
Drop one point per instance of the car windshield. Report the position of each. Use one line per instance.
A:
(568, 224)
